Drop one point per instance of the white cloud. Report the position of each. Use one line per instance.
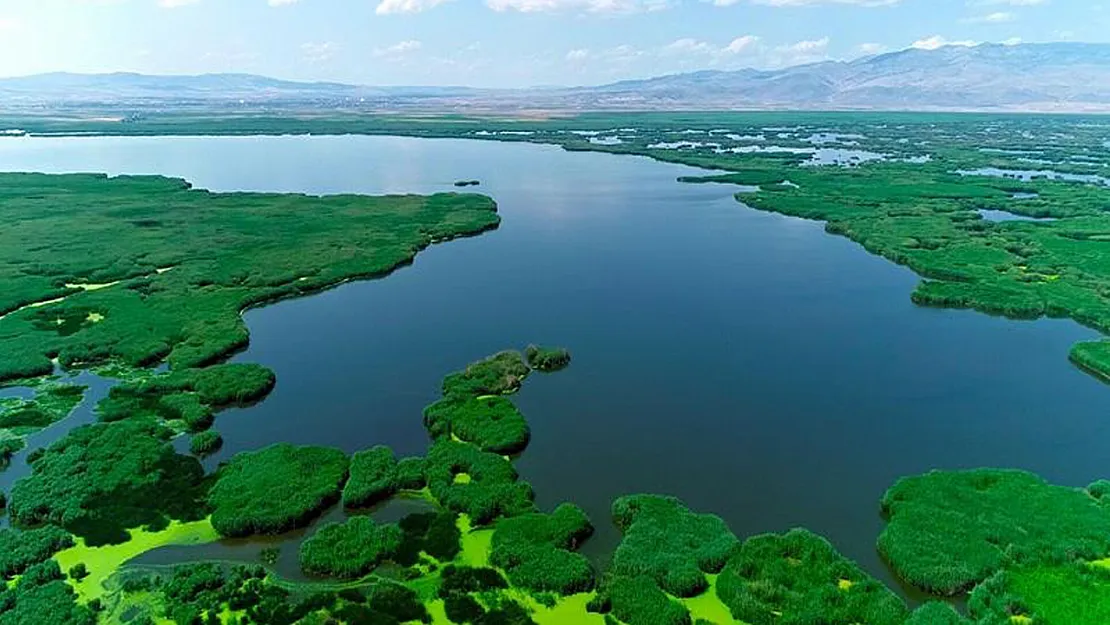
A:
(8, 24)
(1011, 3)
(808, 3)
(689, 47)
(584, 6)
(938, 41)
(319, 52)
(173, 4)
(998, 17)
(686, 46)
(1012, 41)
(398, 49)
(872, 48)
(281, 3)
(741, 44)
(578, 55)
(812, 46)
(390, 7)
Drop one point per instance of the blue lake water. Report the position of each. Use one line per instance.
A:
(746, 362)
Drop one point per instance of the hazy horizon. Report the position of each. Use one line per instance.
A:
(505, 43)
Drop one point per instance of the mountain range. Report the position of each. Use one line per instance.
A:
(1023, 77)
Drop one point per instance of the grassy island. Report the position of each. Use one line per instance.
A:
(948, 531)
(163, 290)
(276, 489)
(547, 358)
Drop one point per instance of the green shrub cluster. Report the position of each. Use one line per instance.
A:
(948, 530)
(276, 489)
(194, 593)
(78, 571)
(20, 549)
(350, 549)
(491, 490)
(191, 395)
(638, 600)
(459, 583)
(499, 374)
(474, 410)
(536, 550)
(410, 474)
(8, 448)
(665, 541)
(457, 579)
(394, 601)
(547, 358)
(102, 479)
(491, 422)
(799, 579)
(1043, 594)
(373, 477)
(434, 533)
(198, 594)
(1093, 356)
(937, 613)
(42, 596)
(205, 443)
(19, 418)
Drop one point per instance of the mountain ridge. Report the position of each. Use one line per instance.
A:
(1036, 77)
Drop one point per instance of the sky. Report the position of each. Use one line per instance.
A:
(505, 43)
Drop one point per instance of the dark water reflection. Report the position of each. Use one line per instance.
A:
(747, 362)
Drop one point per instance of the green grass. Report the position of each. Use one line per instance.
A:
(373, 477)
(493, 490)
(948, 530)
(798, 578)
(102, 479)
(228, 252)
(1067, 594)
(547, 358)
(205, 443)
(350, 549)
(491, 422)
(537, 551)
(276, 489)
(667, 542)
(52, 402)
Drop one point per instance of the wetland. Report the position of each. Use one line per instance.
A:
(741, 343)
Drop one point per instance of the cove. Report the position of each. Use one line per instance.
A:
(747, 362)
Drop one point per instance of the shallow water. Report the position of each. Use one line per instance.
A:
(1029, 174)
(82, 414)
(997, 215)
(747, 362)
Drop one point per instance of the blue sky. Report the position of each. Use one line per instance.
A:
(505, 42)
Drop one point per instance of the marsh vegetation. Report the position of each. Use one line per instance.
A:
(1026, 550)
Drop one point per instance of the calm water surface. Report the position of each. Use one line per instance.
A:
(746, 362)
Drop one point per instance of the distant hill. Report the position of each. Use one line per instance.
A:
(1041, 77)
(1065, 76)
(125, 87)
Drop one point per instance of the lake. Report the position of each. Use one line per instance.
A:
(747, 362)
